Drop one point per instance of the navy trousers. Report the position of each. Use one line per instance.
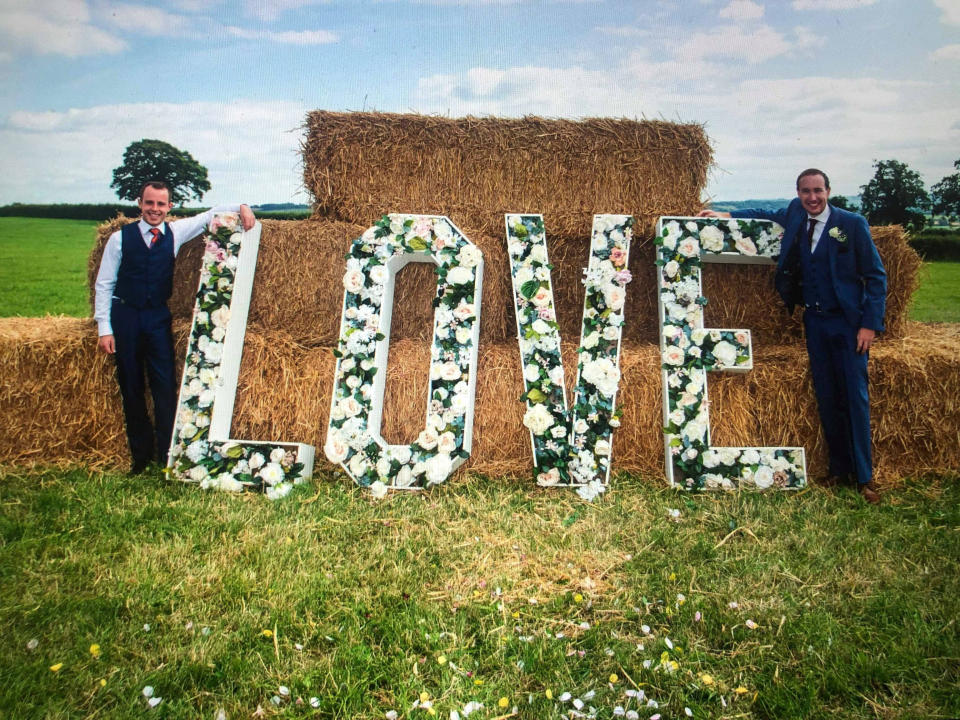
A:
(144, 341)
(840, 383)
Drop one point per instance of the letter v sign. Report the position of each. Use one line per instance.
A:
(570, 448)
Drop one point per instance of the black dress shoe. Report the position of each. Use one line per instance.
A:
(138, 467)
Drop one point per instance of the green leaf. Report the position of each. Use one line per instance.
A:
(418, 243)
(529, 288)
(536, 396)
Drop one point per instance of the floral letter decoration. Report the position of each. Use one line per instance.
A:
(689, 351)
(570, 449)
(200, 450)
(353, 435)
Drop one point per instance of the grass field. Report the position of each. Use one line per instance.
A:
(938, 298)
(43, 266)
(783, 605)
(43, 270)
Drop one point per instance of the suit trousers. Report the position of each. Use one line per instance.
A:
(144, 340)
(840, 382)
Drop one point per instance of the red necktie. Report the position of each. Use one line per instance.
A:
(156, 236)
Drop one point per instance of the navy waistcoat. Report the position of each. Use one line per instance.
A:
(817, 286)
(145, 277)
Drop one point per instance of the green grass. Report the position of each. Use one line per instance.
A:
(938, 297)
(43, 266)
(475, 591)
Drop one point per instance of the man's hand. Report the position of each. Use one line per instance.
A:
(713, 213)
(107, 344)
(865, 337)
(247, 218)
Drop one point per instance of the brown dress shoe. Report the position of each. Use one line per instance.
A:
(869, 493)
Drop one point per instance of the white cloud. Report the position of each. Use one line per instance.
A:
(250, 148)
(144, 19)
(742, 10)
(947, 52)
(832, 4)
(806, 37)
(290, 37)
(731, 41)
(52, 27)
(270, 10)
(951, 11)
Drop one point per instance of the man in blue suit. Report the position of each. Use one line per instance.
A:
(830, 265)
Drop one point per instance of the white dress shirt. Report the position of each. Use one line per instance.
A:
(818, 228)
(184, 230)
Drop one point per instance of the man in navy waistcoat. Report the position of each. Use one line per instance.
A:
(131, 292)
(829, 264)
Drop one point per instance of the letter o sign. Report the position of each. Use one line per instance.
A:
(356, 409)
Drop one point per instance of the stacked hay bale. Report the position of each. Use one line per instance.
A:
(61, 402)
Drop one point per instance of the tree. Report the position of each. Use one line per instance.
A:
(946, 193)
(894, 196)
(157, 160)
(842, 202)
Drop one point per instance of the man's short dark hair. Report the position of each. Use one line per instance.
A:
(814, 171)
(156, 185)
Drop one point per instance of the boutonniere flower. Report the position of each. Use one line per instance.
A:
(837, 234)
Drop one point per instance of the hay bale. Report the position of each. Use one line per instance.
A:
(60, 402)
(358, 166)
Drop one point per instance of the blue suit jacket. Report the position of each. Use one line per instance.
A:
(856, 271)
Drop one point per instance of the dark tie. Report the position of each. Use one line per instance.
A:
(156, 236)
(813, 225)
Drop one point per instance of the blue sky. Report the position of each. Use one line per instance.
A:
(780, 86)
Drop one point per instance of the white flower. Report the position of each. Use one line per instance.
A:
(464, 311)
(556, 374)
(213, 352)
(469, 256)
(427, 439)
(459, 275)
(614, 295)
(603, 375)
(279, 490)
(750, 457)
(559, 431)
(672, 355)
(711, 237)
(447, 442)
(358, 465)
(580, 426)
(353, 280)
(228, 483)
(404, 477)
(438, 468)
(221, 316)
(542, 297)
(538, 419)
(531, 372)
(745, 246)
(524, 275)
(549, 478)
(378, 490)
(198, 473)
(349, 406)
(450, 371)
(271, 473)
(540, 327)
(725, 353)
(763, 477)
(256, 461)
(671, 269)
(591, 340)
(601, 448)
(688, 247)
